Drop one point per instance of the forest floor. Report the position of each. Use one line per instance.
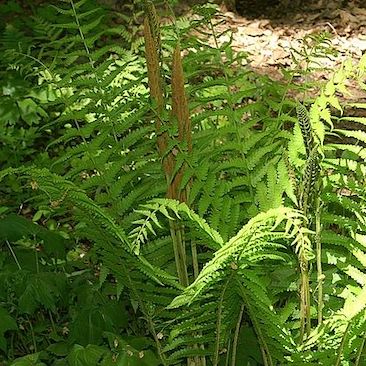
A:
(270, 39)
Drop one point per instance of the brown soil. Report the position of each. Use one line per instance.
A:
(271, 38)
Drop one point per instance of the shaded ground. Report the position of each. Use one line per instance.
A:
(269, 41)
(285, 9)
(270, 38)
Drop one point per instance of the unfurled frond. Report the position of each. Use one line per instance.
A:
(259, 241)
(172, 210)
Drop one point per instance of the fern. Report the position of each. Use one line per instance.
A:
(254, 243)
(232, 150)
(161, 206)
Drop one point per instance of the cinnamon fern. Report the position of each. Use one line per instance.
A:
(224, 219)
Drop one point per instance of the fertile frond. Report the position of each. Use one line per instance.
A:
(304, 122)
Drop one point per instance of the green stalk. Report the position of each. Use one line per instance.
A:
(52, 322)
(228, 353)
(308, 197)
(360, 350)
(266, 355)
(320, 276)
(13, 254)
(194, 259)
(305, 300)
(179, 253)
(215, 360)
(236, 336)
(341, 347)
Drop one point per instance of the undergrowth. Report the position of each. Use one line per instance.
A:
(161, 204)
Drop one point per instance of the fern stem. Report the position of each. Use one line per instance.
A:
(13, 255)
(320, 276)
(183, 254)
(194, 259)
(264, 357)
(228, 353)
(52, 322)
(236, 336)
(341, 346)
(267, 359)
(179, 253)
(156, 339)
(215, 360)
(308, 197)
(360, 350)
(305, 299)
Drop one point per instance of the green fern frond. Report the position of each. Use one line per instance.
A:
(140, 233)
(236, 248)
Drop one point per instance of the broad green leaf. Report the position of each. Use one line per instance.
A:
(85, 356)
(6, 323)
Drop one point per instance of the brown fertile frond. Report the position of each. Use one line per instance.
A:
(180, 114)
(154, 23)
(180, 109)
(155, 83)
(153, 67)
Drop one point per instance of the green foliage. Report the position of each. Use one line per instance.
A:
(272, 228)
